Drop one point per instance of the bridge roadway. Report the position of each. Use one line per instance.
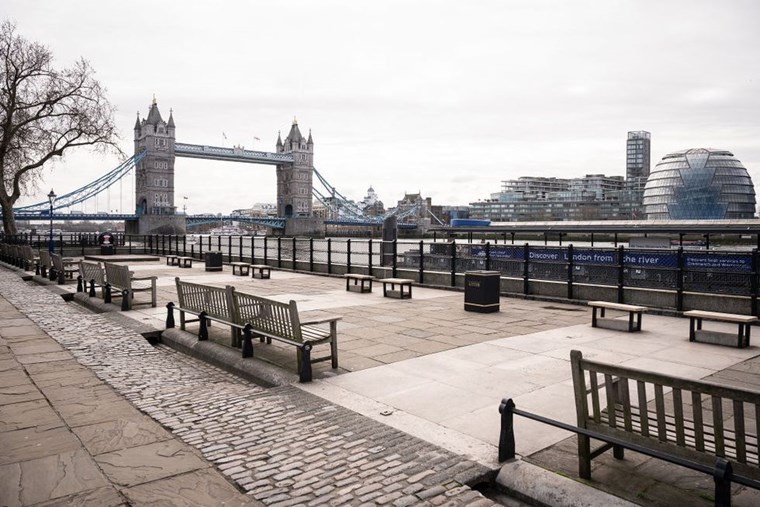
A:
(231, 154)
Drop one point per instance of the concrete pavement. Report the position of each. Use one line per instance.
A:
(434, 372)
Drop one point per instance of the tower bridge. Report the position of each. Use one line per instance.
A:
(154, 175)
(155, 153)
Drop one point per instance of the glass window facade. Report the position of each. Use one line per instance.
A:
(699, 184)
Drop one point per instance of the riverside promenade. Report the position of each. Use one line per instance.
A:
(410, 418)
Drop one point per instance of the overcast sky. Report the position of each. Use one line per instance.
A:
(444, 97)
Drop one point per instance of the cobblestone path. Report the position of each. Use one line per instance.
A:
(282, 446)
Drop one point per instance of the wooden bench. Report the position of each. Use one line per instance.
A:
(121, 278)
(31, 261)
(172, 260)
(393, 293)
(362, 283)
(633, 311)
(272, 319)
(240, 268)
(93, 275)
(185, 262)
(694, 419)
(697, 316)
(217, 302)
(269, 319)
(64, 268)
(263, 270)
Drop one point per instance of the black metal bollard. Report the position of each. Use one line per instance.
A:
(61, 277)
(722, 476)
(169, 315)
(43, 272)
(80, 285)
(92, 289)
(107, 293)
(51, 274)
(507, 433)
(304, 372)
(247, 342)
(203, 331)
(125, 302)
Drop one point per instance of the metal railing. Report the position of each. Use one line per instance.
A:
(678, 271)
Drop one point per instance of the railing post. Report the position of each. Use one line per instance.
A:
(369, 256)
(394, 264)
(526, 269)
(200, 249)
(621, 275)
(163, 245)
(570, 271)
(722, 477)
(218, 242)
(169, 315)
(266, 249)
(754, 282)
(247, 341)
(348, 255)
(304, 370)
(279, 251)
(311, 255)
(229, 248)
(422, 261)
(203, 331)
(507, 432)
(488, 256)
(294, 253)
(129, 244)
(240, 248)
(253, 237)
(125, 300)
(329, 256)
(184, 245)
(679, 281)
(453, 263)
(60, 236)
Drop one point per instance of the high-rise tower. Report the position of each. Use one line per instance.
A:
(294, 181)
(154, 181)
(637, 157)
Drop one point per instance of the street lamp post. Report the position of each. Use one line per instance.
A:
(51, 199)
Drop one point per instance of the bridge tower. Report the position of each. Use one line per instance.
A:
(294, 181)
(154, 180)
(294, 184)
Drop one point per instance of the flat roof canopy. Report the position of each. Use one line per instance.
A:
(616, 226)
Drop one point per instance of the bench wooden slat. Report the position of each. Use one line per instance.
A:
(696, 417)
(660, 410)
(642, 397)
(609, 390)
(678, 416)
(717, 425)
(595, 397)
(726, 317)
(625, 399)
(741, 444)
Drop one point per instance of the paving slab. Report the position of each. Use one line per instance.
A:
(201, 487)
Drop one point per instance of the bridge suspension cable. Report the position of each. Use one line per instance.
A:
(87, 191)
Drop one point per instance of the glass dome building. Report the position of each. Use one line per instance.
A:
(699, 184)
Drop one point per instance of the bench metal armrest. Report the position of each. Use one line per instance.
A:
(321, 320)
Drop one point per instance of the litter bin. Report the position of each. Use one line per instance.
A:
(481, 291)
(213, 261)
(106, 242)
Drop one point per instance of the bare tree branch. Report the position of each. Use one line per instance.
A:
(44, 112)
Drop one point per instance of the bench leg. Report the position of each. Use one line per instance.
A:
(691, 329)
(618, 452)
(630, 322)
(334, 344)
(638, 321)
(593, 316)
(584, 457)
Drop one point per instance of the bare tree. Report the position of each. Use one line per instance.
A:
(43, 113)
